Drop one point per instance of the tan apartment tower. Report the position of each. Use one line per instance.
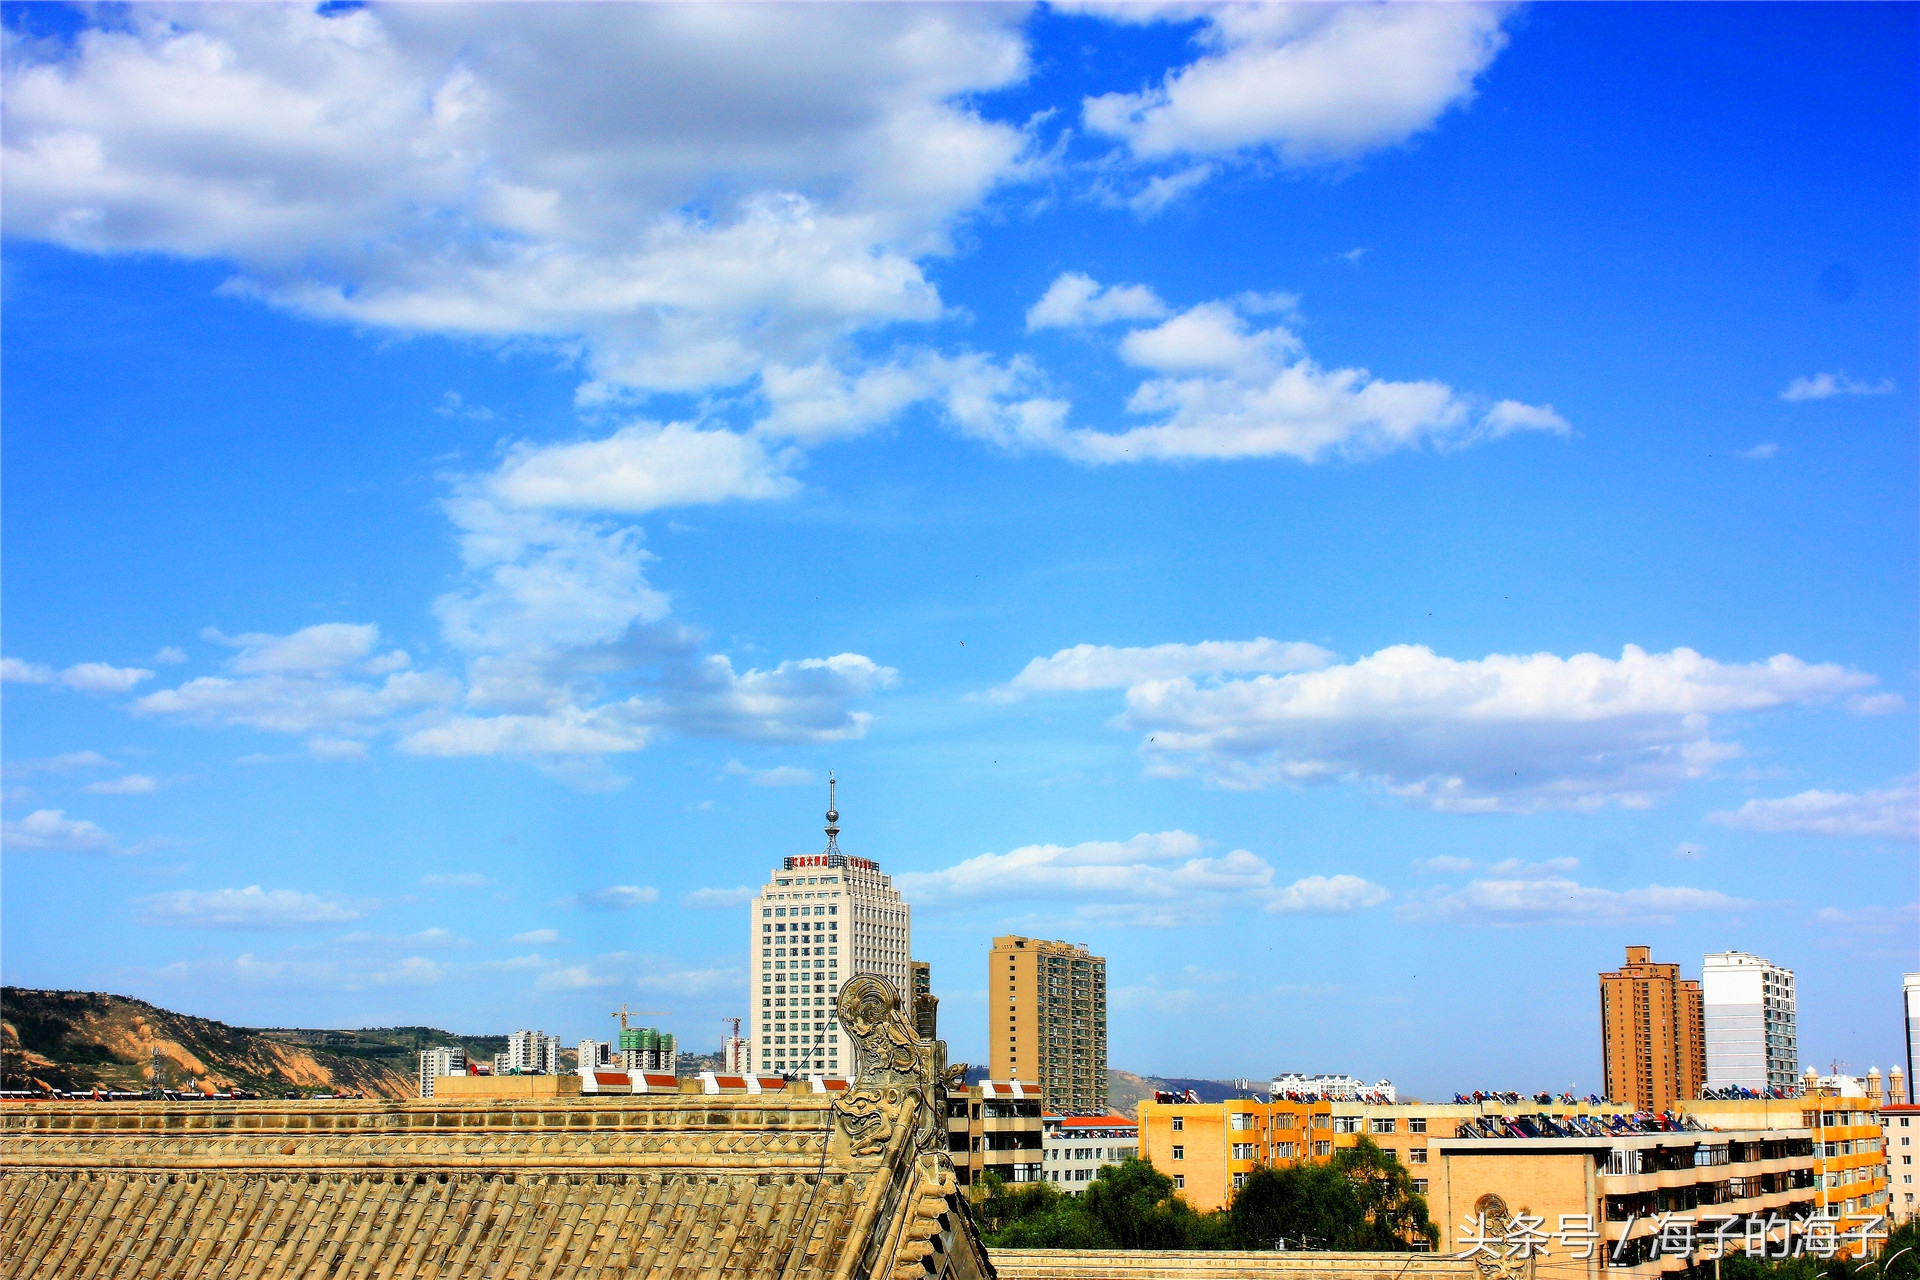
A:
(1653, 1033)
(1047, 1021)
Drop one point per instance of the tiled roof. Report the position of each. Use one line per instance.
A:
(852, 1184)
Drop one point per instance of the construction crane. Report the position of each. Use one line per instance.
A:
(623, 1013)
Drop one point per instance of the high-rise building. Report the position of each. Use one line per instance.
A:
(532, 1053)
(447, 1060)
(1910, 1000)
(1047, 1021)
(1652, 1033)
(592, 1054)
(926, 1005)
(1752, 1040)
(820, 919)
(648, 1049)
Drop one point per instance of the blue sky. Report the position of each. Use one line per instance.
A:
(1356, 514)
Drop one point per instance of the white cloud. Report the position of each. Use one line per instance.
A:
(1824, 386)
(536, 936)
(170, 655)
(1760, 452)
(616, 897)
(249, 908)
(1327, 895)
(87, 677)
(63, 763)
(299, 703)
(1555, 899)
(660, 975)
(784, 775)
(1154, 879)
(52, 831)
(455, 880)
(1222, 388)
(639, 469)
(336, 749)
(1505, 732)
(133, 784)
(718, 899)
(767, 185)
(1087, 666)
(308, 651)
(1075, 300)
(1444, 864)
(1889, 813)
(1310, 83)
(1873, 920)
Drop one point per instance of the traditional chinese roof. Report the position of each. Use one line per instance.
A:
(1157, 1264)
(779, 1184)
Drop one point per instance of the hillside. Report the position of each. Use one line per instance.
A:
(84, 1040)
(1125, 1090)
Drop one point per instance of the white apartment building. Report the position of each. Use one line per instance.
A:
(529, 1052)
(819, 920)
(1075, 1148)
(592, 1054)
(444, 1061)
(1301, 1087)
(1910, 1005)
(1752, 1027)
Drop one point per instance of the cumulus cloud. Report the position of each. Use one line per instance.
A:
(1308, 83)
(767, 186)
(536, 936)
(1505, 732)
(1760, 452)
(248, 908)
(1075, 300)
(615, 897)
(1886, 813)
(1153, 879)
(1557, 899)
(87, 677)
(1088, 666)
(718, 899)
(639, 469)
(51, 830)
(1824, 386)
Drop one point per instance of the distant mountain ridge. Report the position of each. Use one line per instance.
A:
(88, 1039)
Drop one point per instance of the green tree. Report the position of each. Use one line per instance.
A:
(1135, 1206)
(1361, 1201)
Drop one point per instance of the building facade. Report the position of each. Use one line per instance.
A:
(1899, 1126)
(1047, 1021)
(819, 921)
(592, 1055)
(1751, 1023)
(1849, 1148)
(1910, 1005)
(925, 1005)
(1075, 1148)
(531, 1053)
(996, 1127)
(447, 1060)
(1652, 1033)
(648, 1049)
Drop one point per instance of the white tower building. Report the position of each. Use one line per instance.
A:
(819, 920)
(1752, 1027)
(448, 1060)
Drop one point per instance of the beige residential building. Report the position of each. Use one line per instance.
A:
(995, 1127)
(1047, 1021)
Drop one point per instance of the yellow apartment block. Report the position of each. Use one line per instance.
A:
(1849, 1145)
(1053, 1028)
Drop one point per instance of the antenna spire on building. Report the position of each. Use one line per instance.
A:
(833, 819)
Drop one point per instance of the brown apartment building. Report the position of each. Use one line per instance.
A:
(1653, 1033)
(1047, 1021)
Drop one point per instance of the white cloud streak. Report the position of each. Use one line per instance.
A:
(87, 677)
(1825, 386)
(1555, 899)
(248, 908)
(718, 899)
(1088, 666)
(616, 897)
(52, 831)
(1885, 813)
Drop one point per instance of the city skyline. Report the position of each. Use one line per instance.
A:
(1356, 515)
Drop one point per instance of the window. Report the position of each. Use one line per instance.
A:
(1323, 1148)
(1416, 1155)
(1179, 1123)
(1416, 1124)
(1346, 1124)
(1179, 1153)
(1383, 1126)
(1420, 1186)
(1239, 1181)
(1241, 1120)
(1179, 1182)
(1245, 1151)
